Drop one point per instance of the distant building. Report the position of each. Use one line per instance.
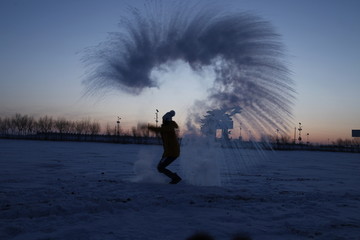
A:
(355, 133)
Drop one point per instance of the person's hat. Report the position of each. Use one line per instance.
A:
(168, 116)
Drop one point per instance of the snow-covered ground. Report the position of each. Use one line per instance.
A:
(71, 190)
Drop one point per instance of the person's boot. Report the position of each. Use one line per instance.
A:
(175, 179)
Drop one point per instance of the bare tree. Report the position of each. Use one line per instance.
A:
(45, 124)
(1, 126)
(143, 132)
(139, 131)
(80, 127)
(4, 126)
(70, 127)
(345, 142)
(62, 125)
(109, 130)
(11, 127)
(30, 125)
(22, 124)
(356, 142)
(87, 126)
(94, 128)
(285, 139)
(18, 124)
(7, 125)
(135, 132)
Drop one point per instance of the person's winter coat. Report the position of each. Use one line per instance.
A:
(169, 138)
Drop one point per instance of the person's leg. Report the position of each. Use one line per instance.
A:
(164, 162)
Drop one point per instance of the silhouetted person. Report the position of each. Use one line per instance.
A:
(170, 144)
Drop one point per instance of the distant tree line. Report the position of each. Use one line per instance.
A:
(281, 139)
(22, 125)
(347, 142)
(27, 125)
(285, 139)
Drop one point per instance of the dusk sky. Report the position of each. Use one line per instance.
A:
(41, 72)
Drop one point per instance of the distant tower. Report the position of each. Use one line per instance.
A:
(307, 135)
(240, 137)
(118, 126)
(157, 117)
(300, 129)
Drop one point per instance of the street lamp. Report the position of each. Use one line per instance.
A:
(156, 117)
(307, 135)
(240, 137)
(300, 129)
(118, 126)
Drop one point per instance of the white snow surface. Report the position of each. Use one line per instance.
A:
(72, 190)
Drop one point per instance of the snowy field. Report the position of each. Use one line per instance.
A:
(70, 190)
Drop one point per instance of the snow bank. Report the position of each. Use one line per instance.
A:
(61, 190)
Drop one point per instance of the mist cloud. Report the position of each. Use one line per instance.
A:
(242, 49)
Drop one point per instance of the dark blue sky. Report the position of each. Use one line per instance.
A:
(41, 73)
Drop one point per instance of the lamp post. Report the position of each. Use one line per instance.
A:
(157, 117)
(118, 126)
(300, 129)
(240, 137)
(307, 135)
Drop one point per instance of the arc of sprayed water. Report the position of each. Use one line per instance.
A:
(243, 50)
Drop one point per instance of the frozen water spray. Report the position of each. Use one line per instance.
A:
(243, 51)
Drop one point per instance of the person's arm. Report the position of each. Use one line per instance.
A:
(169, 127)
(154, 129)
